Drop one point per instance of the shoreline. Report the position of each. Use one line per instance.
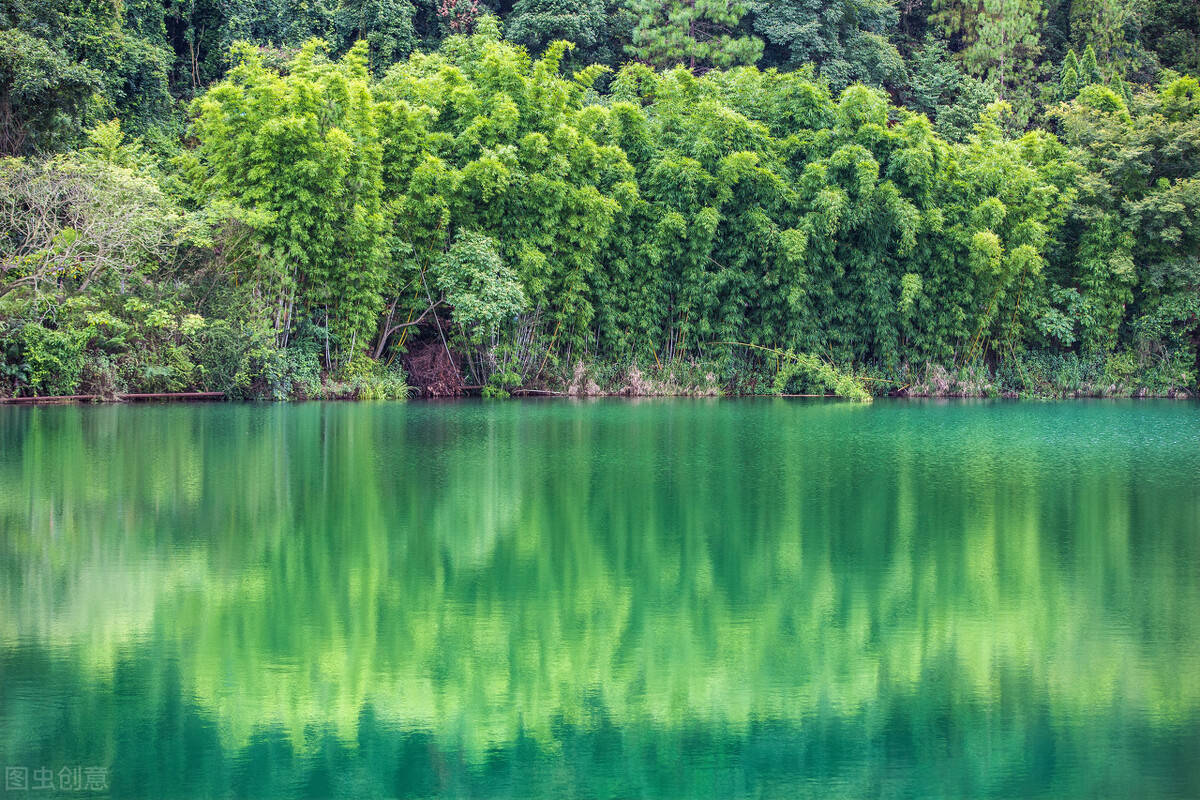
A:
(188, 398)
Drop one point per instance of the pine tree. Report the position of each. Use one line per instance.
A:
(1068, 84)
(1071, 62)
(1103, 25)
(1089, 70)
(1118, 85)
(1068, 87)
(695, 33)
(1007, 43)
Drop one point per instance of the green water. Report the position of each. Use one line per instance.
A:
(609, 599)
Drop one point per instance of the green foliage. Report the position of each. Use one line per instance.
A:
(846, 39)
(1089, 68)
(1101, 27)
(939, 89)
(810, 375)
(692, 33)
(1169, 30)
(1068, 84)
(537, 23)
(65, 64)
(1006, 44)
(365, 378)
(385, 25)
(45, 360)
(268, 372)
(1138, 239)
(483, 291)
(297, 157)
(600, 29)
(529, 211)
(498, 145)
(51, 94)
(1102, 99)
(76, 222)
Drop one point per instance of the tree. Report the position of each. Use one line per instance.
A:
(74, 222)
(1068, 82)
(1006, 43)
(65, 66)
(1105, 25)
(1171, 30)
(386, 26)
(498, 154)
(1089, 68)
(483, 291)
(958, 20)
(598, 28)
(297, 158)
(696, 33)
(845, 39)
(1135, 236)
(44, 96)
(938, 88)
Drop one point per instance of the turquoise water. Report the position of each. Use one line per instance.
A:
(604, 599)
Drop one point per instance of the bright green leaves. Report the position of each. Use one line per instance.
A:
(911, 287)
(1180, 99)
(989, 214)
(986, 253)
(474, 280)
(1102, 99)
(1106, 279)
(679, 211)
(860, 106)
(1134, 232)
(809, 374)
(298, 157)
(1068, 81)
(520, 159)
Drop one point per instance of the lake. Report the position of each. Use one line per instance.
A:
(609, 599)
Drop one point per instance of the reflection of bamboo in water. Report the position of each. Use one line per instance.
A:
(502, 614)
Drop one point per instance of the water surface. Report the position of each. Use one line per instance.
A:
(607, 599)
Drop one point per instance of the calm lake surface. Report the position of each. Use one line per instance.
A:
(607, 599)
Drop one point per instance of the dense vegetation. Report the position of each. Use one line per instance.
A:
(273, 199)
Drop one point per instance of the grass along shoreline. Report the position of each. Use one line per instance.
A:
(785, 374)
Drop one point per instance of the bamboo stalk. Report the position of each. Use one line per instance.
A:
(549, 350)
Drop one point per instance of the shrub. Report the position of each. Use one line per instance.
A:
(46, 361)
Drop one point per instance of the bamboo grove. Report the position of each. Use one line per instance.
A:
(531, 220)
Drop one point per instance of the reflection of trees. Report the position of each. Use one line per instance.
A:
(496, 574)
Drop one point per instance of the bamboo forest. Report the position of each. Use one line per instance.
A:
(369, 199)
(600, 399)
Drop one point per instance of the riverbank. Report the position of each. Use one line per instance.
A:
(1035, 379)
(1037, 376)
